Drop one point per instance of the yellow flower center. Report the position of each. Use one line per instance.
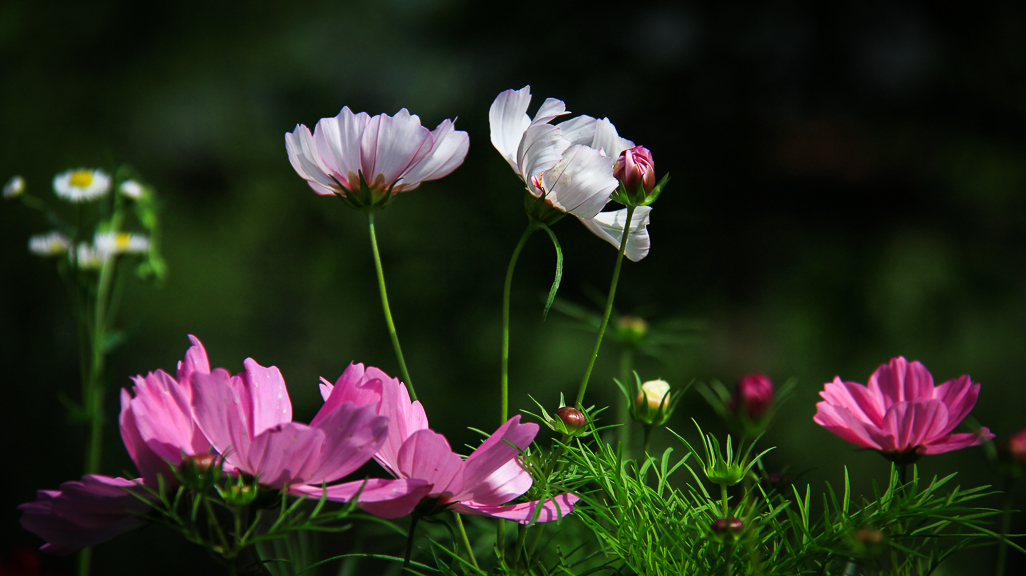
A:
(121, 241)
(81, 178)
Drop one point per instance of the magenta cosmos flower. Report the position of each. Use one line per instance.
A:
(480, 485)
(248, 420)
(390, 153)
(900, 412)
(158, 430)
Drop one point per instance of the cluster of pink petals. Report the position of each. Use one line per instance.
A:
(157, 428)
(480, 485)
(248, 420)
(570, 164)
(391, 152)
(900, 412)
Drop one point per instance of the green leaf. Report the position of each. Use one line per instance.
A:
(559, 271)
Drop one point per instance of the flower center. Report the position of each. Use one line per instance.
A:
(81, 178)
(121, 241)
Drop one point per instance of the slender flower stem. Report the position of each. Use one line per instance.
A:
(648, 437)
(504, 390)
(409, 542)
(609, 307)
(623, 409)
(723, 494)
(1006, 521)
(388, 312)
(466, 541)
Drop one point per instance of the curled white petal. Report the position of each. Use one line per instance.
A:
(131, 189)
(14, 187)
(609, 226)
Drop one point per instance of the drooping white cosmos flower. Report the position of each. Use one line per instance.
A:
(49, 244)
(390, 153)
(572, 177)
(14, 187)
(609, 227)
(81, 185)
(110, 243)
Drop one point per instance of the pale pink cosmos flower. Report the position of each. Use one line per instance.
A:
(900, 412)
(392, 153)
(248, 420)
(480, 485)
(157, 428)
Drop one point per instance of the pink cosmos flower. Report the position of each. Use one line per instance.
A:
(158, 429)
(392, 153)
(900, 412)
(248, 420)
(479, 485)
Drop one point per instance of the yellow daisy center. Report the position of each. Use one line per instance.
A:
(81, 178)
(121, 241)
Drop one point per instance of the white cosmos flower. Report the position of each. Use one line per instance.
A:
(572, 176)
(49, 244)
(393, 154)
(110, 243)
(81, 185)
(14, 187)
(609, 226)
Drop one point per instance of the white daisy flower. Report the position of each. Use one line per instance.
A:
(108, 243)
(14, 187)
(49, 244)
(132, 189)
(81, 185)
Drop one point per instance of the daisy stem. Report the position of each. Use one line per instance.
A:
(466, 541)
(504, 389)
(623, 409)
(609, 307)
(388, 312)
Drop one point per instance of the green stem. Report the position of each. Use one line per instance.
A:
(504, 390)
(609, 308)
(84, 559)
(466, 541)
(648, 436)
(388, 312)
(623, 409)
(723, 495)
(1006, 521)
(409, 542)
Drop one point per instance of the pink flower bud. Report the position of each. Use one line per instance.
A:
(635, 166)
(753, 396)
(1017, 447)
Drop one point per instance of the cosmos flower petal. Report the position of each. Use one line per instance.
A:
(384, 498)
(553, 509)
(581, 182)
(609, 227)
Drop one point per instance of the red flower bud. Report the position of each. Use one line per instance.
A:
(753, 396)
(572, 418)
(635, 166)
(720, 526)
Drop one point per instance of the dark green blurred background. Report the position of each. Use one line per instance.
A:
(847, 186)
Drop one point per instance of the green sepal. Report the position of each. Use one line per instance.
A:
(366, 199)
